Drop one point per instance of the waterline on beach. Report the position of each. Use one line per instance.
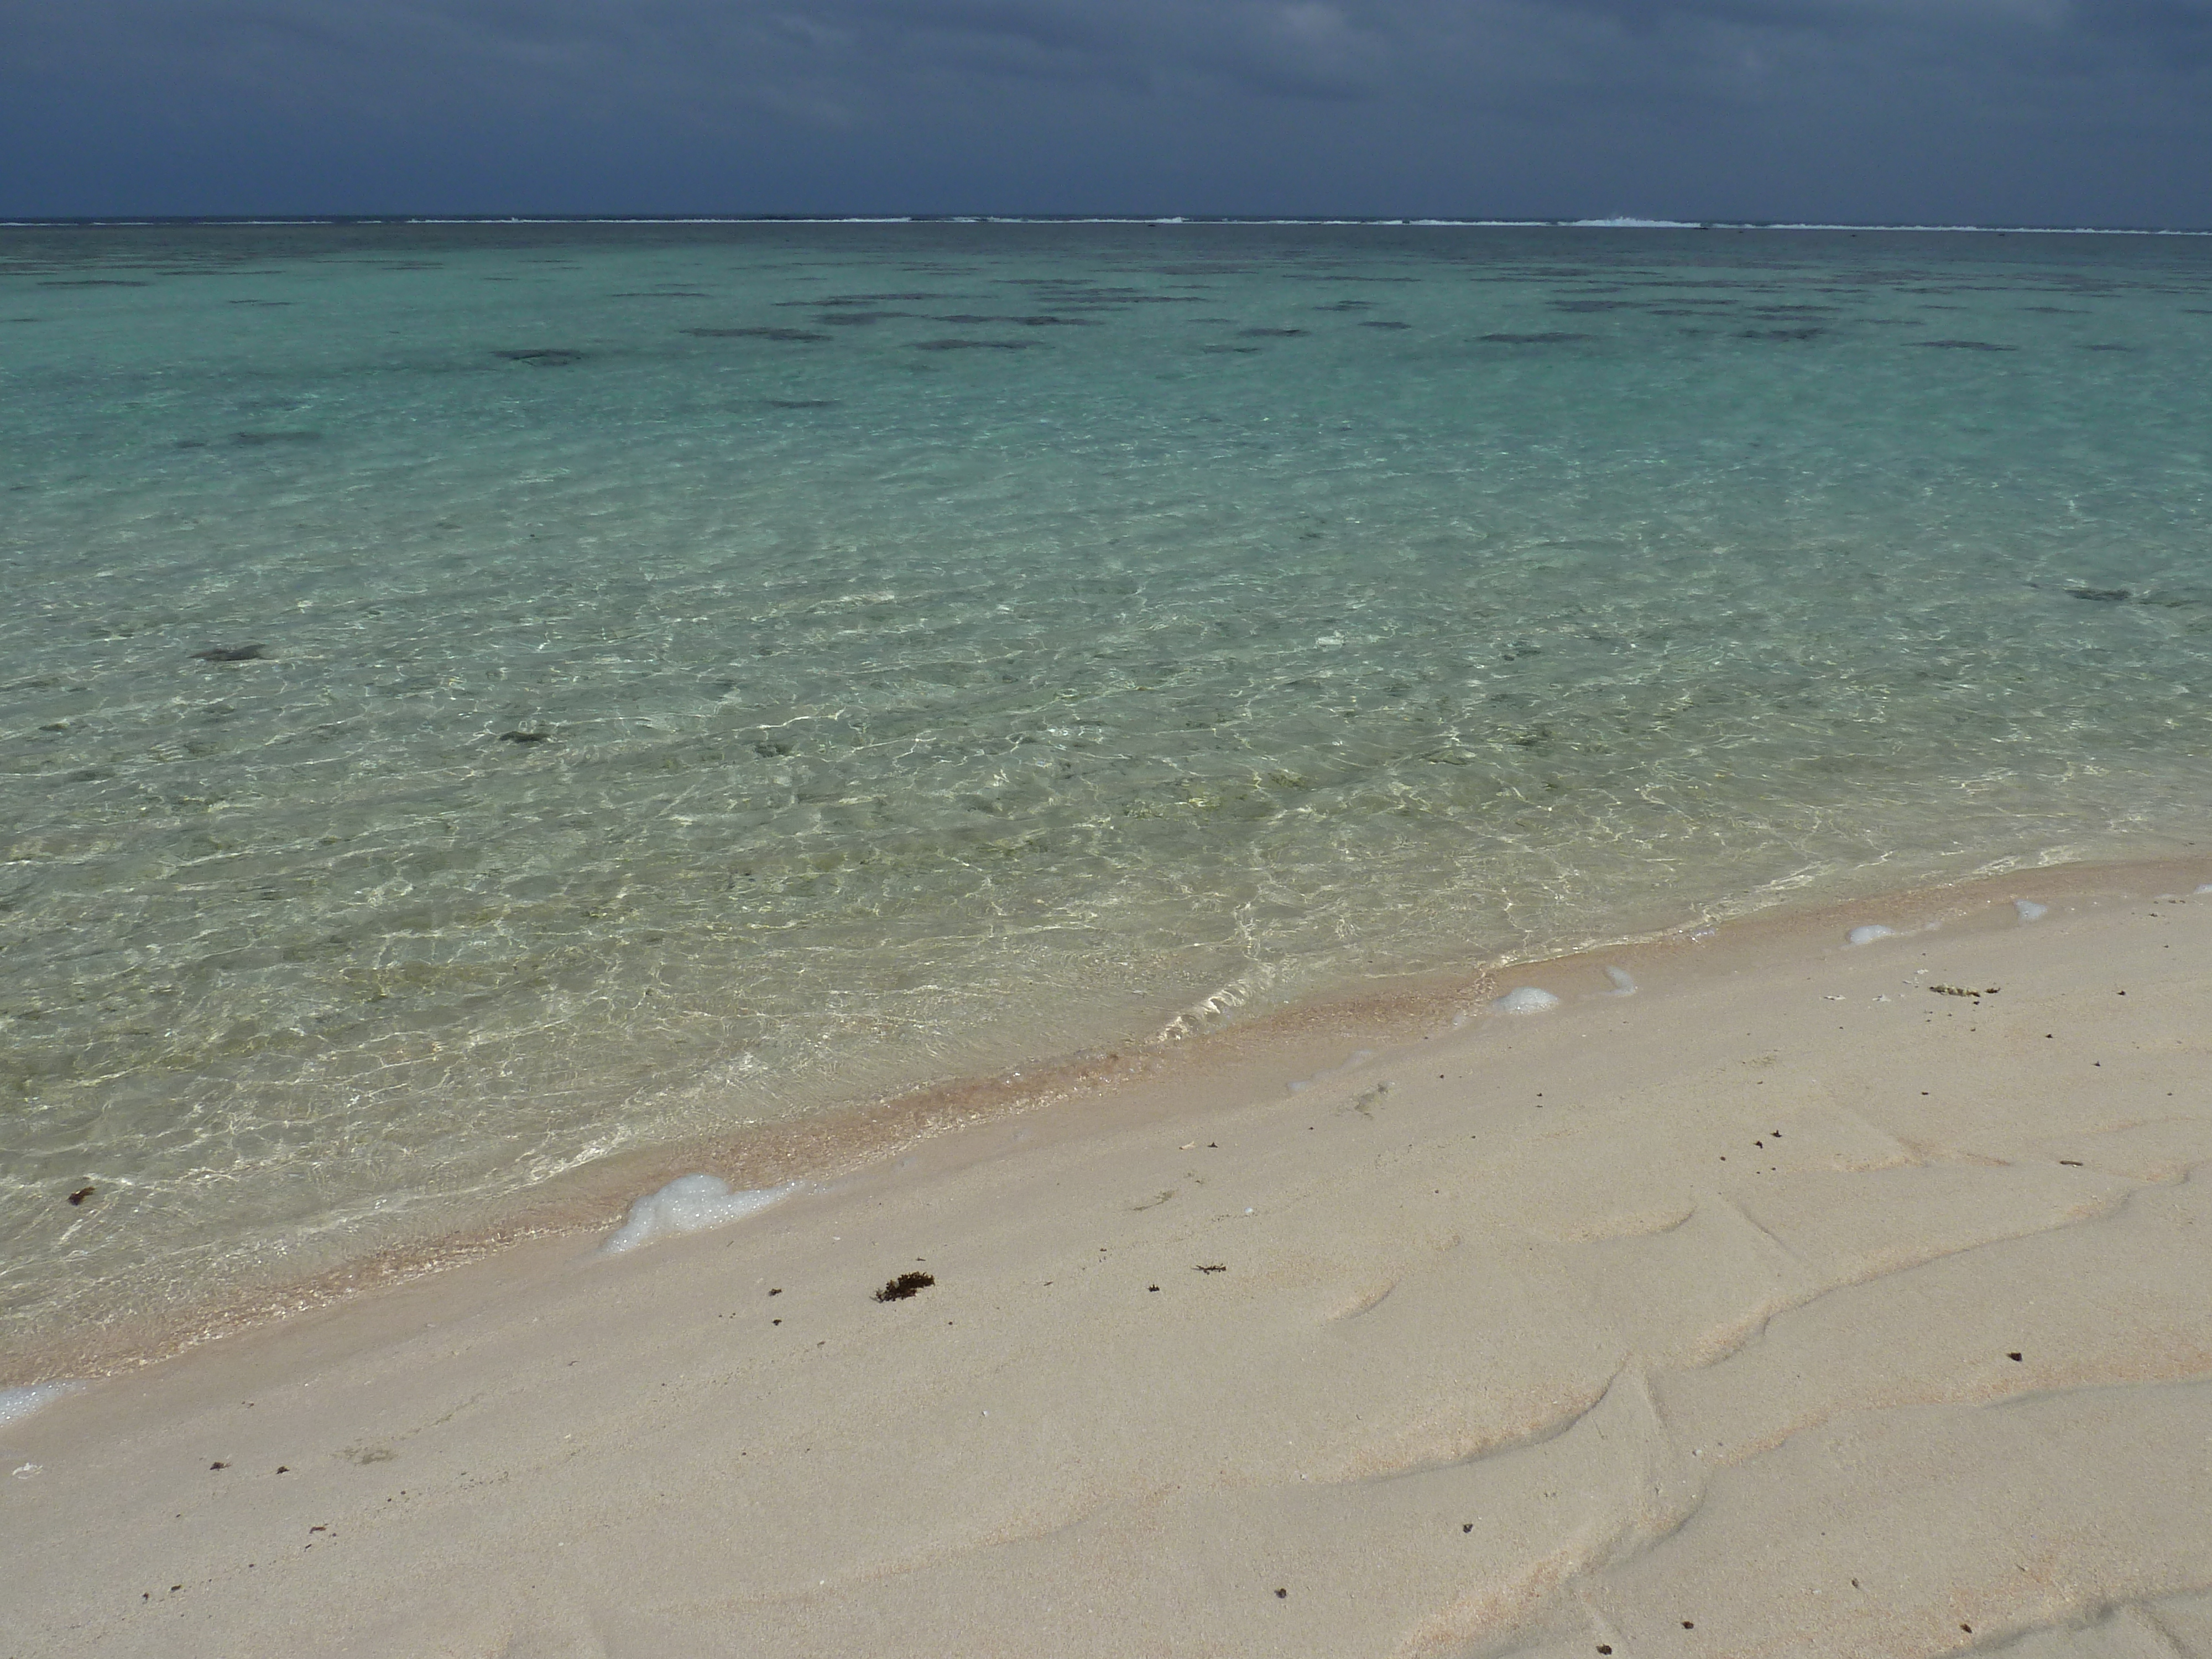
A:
(491, 702)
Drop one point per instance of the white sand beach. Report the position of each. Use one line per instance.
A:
(1813, 1299)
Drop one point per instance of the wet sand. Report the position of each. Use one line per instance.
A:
(1815, 1298)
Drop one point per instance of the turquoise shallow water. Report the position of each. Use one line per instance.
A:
(687, 675)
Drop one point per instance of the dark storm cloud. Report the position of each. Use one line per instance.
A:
(1990, 109)
(2179, 28)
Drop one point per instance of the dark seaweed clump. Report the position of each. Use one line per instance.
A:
(551, 357)
(971, 319)
(972, 345)
(1963, 345)
(1553, 338)
(801, 335)
(232, 654)
(904, 1285)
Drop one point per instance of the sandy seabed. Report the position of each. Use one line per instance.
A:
(1813, 1299)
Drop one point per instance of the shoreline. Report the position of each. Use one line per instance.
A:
(1815, 1299)
(1284, 1044)
(1075, 712)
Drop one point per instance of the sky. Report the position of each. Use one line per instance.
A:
(2014, 112)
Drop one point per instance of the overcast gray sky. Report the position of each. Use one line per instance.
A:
(2089, 111)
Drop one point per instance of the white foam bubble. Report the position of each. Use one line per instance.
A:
(17, 1403)
(1623, 982)
(1869, 933)
(1525, 999)
(2030, 910)
(686, 1204)
(2206, 888)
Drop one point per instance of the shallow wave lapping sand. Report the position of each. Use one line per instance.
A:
(1820, 1299)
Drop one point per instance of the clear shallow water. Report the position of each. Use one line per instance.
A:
(1038, 635)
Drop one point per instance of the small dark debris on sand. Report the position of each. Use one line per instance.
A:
(232, 654)
(1211, 1267)
(904, 1285)
(82, 1193)
(525, 737)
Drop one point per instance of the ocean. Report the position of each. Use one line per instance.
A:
(482, 698)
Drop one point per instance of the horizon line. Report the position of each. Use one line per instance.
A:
(1402, 221)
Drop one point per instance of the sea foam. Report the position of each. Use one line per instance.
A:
(686, 1204)
(17, 1403)
(1525, 999)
